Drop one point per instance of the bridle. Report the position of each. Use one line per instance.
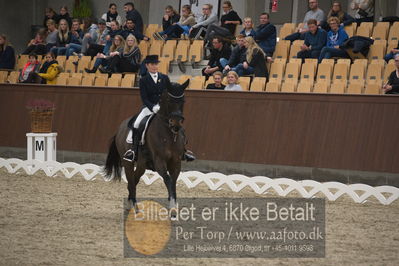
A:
(176, 97)
(174, 115)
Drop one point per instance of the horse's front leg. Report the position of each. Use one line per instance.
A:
(133, 178)
(174, 169)
(160, 167)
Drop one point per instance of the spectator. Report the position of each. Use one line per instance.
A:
(392, 54)
(170, 18)
(134, 15)
(64, 37)
(364, 10)
(220, 50)
(187, 20)
(336, 11)
(233, 83)
(130, 30)
(75, 46)
(50, 69)
(64, 15)
(49, 14)
(28, 73)
(248, 29)
(99, 44)
(266, 34)
(38, 44)
(111, 15)
(7, 54)
(335, 38)
(255, 61)
(103, 59)
(228, 23)
(314, 13)
(392, 86)
(52, 33)
(217, 85)
(230, 19)
(315, 40)
(126, 60)
(203, 22)
(238, 55)
(115, 30)
(91, 36)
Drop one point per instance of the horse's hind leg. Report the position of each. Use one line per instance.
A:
(133, 178)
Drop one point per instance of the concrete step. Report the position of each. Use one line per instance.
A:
(176, 73)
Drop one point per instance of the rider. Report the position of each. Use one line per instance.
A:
(152, 85)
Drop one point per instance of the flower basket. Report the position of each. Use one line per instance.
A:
(41, 113)
(41, 122)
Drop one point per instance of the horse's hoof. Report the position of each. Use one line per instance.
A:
(173, 214)
(133, 205)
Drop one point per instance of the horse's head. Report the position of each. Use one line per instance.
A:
(172, 102)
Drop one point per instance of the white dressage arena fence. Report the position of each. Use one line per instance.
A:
(259, 184)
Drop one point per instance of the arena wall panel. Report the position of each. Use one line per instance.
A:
(310, 130)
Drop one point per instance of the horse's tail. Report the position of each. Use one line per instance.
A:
(113, 163)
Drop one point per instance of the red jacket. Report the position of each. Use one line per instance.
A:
(35, 69)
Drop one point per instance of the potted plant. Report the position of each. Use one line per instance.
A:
(41, 113)
(82, 9)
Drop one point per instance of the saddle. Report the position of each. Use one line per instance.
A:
(142, 128)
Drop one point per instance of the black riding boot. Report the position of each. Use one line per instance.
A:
(131, 154)
(136, 142)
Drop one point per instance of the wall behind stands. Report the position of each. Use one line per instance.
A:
(16, 19)
(356, 132)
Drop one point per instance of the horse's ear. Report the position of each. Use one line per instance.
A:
(185, 84)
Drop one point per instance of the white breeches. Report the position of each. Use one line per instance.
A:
(144, 112)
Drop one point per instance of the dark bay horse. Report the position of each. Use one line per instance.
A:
(163, 148)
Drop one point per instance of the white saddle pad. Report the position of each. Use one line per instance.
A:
(129, 138)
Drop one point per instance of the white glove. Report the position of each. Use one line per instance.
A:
(156, 108)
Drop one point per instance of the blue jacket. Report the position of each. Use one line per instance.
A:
(265, 36)
(113, 33)
(334, 39)
(150, 92)
(252, 33)
(77, 39)
(317, 41)
(135, 16)
(133, 32)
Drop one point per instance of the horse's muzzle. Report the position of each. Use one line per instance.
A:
(176, 120)
(175, 125)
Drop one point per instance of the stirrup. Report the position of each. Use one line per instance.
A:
(129, 155)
